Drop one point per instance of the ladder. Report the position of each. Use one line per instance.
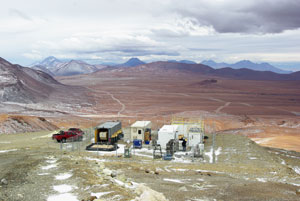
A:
(157, 153)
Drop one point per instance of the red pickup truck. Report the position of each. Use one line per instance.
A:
(76, 130)
(62, 136)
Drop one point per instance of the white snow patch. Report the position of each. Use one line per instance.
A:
(121, 183)
(167, 169)
(120, 150)
(98, 195)
(180, 170)
(261, 179)
(297, 169)
(174, 180)
(4, 151)
(63, 176)
(145, 150)
(52, 161)
(64, 188)
(181, 160)
(261, 141)
(62, 197)
(95, 159)
(218, 152)
(252, 158)
(210, 155)
(144, 155)
(209, 171)
(159, 169)
(41, 174)
(104, 185)
(49, 167)
(5, 142)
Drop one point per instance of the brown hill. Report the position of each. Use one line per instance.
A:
(170, 68)
(20, 124)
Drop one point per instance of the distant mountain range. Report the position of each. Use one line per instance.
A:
(172, 69)
(27, 85)
(183, 61)
(55, 67)
(246, 64)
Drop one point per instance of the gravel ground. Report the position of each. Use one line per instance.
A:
(34, 168)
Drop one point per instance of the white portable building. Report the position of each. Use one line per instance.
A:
(166, 133)
(195, 137)
(137, 130)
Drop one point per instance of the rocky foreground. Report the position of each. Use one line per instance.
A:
(33, 167)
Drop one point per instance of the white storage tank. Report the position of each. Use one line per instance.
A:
(166, 133)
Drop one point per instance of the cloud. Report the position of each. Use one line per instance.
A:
(152, 30)
(95, 44)
(205, 49)
(235, 16)
(18, 13)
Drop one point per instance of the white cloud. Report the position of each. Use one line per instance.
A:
(152, 30)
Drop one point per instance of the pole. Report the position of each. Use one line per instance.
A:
(213, 144)
(117, 150)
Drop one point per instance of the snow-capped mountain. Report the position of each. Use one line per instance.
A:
(49, 62)
(74, 67)
(55, 67)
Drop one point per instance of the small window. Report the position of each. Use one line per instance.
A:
(140, 132)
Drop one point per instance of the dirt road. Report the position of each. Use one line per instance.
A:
(222, 107)
(123, 107)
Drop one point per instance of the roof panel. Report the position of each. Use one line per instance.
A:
(141, 124)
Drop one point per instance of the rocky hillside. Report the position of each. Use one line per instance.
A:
(24, 85)
(22, 124)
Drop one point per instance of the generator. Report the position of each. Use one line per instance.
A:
(106, 136)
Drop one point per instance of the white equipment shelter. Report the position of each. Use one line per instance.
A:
(195, 136)
(166, 133)
(137, 130)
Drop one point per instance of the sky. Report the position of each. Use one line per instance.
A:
(116, 30)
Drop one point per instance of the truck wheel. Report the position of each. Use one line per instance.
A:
(64, 140)
(58, 140)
